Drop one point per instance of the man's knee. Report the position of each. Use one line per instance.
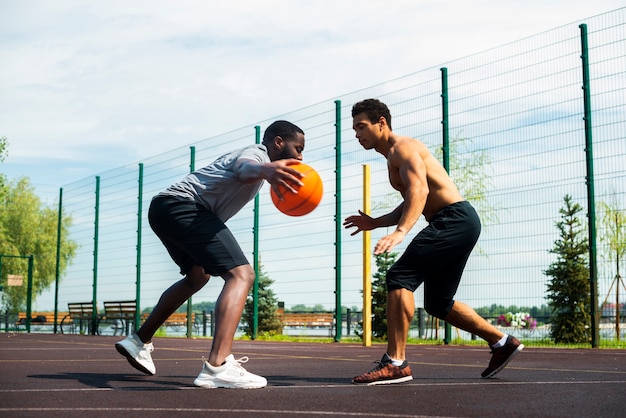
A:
(196, 278)
(244, 273)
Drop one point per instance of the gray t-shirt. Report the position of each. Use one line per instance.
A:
(216, 186)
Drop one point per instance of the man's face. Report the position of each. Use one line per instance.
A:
(292, 148)
(366, 132)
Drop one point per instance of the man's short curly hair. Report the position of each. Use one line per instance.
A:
(282, 128)
(374, 109)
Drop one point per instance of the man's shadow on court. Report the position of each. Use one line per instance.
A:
(105, 380)
(282, 380)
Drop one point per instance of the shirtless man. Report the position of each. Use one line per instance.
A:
(435, 257)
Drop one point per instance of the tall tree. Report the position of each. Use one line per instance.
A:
(469, 169)
(614, 237)
(614, 231)
(569, 290)
(268, 304)
(4, 147)
(27, 227)
(384, 262)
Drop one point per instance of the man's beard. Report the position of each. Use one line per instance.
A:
(285, 154)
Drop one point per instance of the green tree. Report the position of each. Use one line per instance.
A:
(469, 171)
(27, 227)
(569, 289)
(613, 232)
(384, 262)
(4, 147)
(269, 323)
(614, 237)
(206, 306)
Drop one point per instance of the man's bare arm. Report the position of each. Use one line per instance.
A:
(414, 188)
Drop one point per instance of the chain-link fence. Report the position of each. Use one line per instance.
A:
(516, 123)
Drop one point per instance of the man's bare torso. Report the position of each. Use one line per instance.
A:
(441, 191)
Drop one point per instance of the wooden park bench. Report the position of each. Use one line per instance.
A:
(40, 321)
(308, 319)
(79, 319)
(120, 315)
(177, 320)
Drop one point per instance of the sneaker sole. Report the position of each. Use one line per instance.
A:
(120, 349)
(214, 385)
(385, 382)
(499, 369)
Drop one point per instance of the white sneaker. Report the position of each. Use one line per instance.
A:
(137, 353)
(229, 375)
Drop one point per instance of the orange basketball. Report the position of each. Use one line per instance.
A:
(308, 197)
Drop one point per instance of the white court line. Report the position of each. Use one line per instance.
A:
(279, 387)
(57, 348)
(290, 412)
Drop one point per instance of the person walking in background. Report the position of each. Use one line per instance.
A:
(189, 217)
(435, 257)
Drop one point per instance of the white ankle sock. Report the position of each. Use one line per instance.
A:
(397, 363)
(501, 342)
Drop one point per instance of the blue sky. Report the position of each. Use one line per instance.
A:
(90, 86)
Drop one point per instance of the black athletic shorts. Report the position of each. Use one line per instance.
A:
(193, 235)
(437, 257)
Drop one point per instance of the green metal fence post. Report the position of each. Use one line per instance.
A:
(58, 262)
(192, 168)
(591, 203)
(94, 297)
(338, 224)
(446, 157)
(256, 255)
(444, 120)
(138, 266)
(29, 294)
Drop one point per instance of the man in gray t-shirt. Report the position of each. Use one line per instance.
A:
(189, 217)
(217, 186)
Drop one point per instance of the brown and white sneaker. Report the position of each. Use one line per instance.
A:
(385, 373)
(500, 357)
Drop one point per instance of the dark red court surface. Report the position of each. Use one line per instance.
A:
(59, 375)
